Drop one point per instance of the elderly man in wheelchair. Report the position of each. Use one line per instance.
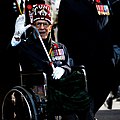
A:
(50, 87)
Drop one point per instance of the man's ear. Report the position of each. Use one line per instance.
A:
(50, 27)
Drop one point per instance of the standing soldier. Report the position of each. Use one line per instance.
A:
(83, 26)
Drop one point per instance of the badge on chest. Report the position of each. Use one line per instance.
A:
(58, 54)
(102, 9)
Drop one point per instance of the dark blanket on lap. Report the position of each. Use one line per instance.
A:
(68, 94)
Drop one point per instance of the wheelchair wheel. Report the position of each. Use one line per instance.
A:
(21, 103)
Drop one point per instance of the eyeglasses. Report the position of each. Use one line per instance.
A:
(45, 24)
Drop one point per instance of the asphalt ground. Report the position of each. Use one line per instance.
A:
(109, 114)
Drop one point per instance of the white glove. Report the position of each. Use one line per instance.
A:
(20, 28)
(58, 72)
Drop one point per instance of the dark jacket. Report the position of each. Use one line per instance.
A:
(33, 58)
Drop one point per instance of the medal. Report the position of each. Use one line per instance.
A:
(102, 9)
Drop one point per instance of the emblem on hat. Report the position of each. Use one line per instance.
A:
(40, 12)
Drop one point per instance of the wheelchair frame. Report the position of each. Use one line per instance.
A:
(23, 103)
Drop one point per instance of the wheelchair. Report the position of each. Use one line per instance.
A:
(29, 100)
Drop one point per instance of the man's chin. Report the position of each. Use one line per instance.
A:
(43, 36)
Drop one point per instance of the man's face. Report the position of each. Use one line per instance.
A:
(43, 27)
